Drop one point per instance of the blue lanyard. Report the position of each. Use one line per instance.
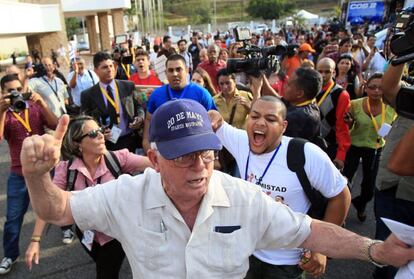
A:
(267, 167)
(170, 93)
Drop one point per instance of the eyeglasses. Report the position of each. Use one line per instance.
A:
(93, 134)
(188, 160)
(374, 87)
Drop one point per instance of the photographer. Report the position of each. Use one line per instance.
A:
(16, 125)
(394, 198)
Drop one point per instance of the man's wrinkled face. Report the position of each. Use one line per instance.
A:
(183, 183)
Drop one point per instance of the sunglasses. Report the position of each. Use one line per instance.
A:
(93, 134)
(374, 87)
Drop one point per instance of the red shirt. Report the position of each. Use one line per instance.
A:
(212, 70)
(15, 132)
(343, 138)
(152, 79)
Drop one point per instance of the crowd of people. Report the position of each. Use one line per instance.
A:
(282, 145)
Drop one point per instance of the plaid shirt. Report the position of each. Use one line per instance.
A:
(15, 132)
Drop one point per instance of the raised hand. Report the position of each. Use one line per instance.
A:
(216, 119)
(41, 153)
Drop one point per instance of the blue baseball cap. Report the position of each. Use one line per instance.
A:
(181, 127)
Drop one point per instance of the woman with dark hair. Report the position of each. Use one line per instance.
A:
(84, 149)
(202, 78)
(346, 75)
(371, 122)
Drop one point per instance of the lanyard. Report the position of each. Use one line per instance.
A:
(115, 102)
(267, 167)
(326, 94)
(126, 70)
(374, 122)
(25, 121)
(170, 93)
(305, 103)
(55, 90)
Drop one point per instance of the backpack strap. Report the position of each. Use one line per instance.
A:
(71, 176)
(90, 74)
(296, 163)
(112, 163)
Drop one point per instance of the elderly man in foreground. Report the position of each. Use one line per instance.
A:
(184, 220)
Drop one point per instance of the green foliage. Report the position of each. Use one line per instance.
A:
(72, 25)
(270, 9)
(201, 15)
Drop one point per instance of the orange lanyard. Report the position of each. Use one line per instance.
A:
(25, 121)
(374, 122)
(126, 70)
(326, 94)
(305, 103)
(115, 102)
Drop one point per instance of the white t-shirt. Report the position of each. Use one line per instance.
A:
(281, 183)
(158, 243)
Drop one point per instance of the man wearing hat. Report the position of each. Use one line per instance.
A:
(290, 64)
(183, 219)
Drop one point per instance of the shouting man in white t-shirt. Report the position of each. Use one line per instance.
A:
(261, 155)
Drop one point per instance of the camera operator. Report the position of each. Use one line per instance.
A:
(394, 198)
(16, 125)
(51, 88)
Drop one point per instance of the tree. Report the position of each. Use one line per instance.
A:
(72, 26)
(270, 9)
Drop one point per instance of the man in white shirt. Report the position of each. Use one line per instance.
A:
(208, 221)
(80, 79)
(51, 88)
(261, 153)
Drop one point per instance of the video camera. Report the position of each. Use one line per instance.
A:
(18, 100)
(256, 60)
(402, 43)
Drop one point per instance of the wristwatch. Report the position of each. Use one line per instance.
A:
(368, 252)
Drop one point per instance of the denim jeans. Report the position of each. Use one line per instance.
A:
(17, 204)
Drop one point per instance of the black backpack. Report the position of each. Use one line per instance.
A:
(111, 161)
(296, 163)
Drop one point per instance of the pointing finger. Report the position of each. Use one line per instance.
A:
(62, 127)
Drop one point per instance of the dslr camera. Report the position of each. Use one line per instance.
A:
(256, 60)
(18, 100)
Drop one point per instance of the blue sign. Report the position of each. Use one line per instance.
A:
(361, 11)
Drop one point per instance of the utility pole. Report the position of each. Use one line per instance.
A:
(215, 14)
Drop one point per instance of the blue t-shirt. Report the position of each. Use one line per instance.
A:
(190, 91)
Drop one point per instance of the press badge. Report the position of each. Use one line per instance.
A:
(384, 130)
(116, 133)
(87, 239)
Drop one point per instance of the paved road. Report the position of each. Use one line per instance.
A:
(71, 262)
